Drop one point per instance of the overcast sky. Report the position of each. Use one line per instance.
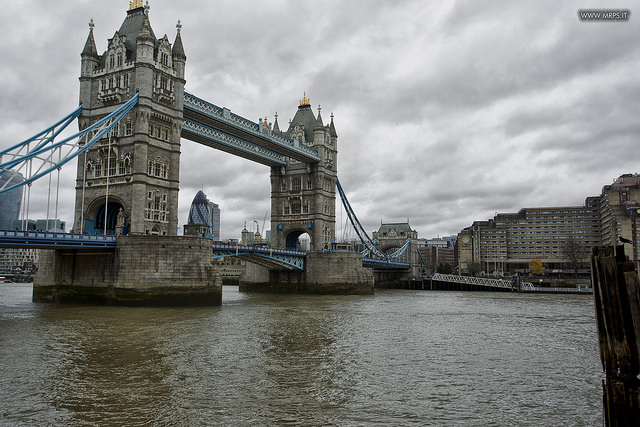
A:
(446, 112)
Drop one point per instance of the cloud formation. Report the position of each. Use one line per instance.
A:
(446, 112)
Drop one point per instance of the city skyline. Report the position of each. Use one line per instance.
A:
(445, 114)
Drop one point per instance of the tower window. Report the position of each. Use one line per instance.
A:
(296, 184)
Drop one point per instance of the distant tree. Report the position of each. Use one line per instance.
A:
(537, 267)
(445, 268)
(475, 268)
(575, 252)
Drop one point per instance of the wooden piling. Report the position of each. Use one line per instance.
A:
(616, 290)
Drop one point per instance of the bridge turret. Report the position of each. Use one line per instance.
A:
(89, 63)
(303, 195)
(135, 168)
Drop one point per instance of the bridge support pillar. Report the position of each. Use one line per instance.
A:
(388, 279)
(325, 273)
(142, 271)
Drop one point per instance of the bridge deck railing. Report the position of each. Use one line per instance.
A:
(32, 234)
(256, 249)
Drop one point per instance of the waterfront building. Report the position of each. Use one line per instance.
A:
(507, 243)
(436, 251)
(254, 238)
(16, 259)
(12, 258)
(11, 200)
(619, 209)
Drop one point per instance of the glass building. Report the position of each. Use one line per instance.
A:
(205, 213)
(11, 200)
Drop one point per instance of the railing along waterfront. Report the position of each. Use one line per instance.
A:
(509, 284)
(480, 281)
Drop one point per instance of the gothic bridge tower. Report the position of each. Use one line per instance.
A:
(128, 182)
(303, 195)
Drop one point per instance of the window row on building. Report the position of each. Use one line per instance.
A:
(547, 233)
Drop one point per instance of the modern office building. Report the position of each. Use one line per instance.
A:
(507, 243)
(204, 218)
(437, 251)
(11, 200)
(15, 259)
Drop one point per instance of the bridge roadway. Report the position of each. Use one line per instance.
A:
(54, 240)
(219, 128)
(276, 259)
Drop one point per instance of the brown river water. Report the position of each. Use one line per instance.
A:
(397, 358)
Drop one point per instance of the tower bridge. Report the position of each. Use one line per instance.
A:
(133, 112)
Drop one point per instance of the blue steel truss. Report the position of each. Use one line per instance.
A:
(229, 143)
(40, 155)
(197, 110)
(272, 258)
(53, 240)
(370, 245)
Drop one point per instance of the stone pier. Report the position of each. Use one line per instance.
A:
(141, 271)
(325, 273)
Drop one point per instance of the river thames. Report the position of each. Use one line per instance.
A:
(401, 358)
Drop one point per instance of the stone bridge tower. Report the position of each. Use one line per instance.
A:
(303, 196)
(128, 182)
(391, 237)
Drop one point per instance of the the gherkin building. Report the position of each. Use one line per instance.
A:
(204, 212)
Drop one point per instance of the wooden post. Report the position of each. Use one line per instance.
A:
(616, 290)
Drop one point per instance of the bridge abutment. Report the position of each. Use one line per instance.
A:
(325, 273)
(141, 271)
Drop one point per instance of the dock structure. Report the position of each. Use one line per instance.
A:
(617, 303)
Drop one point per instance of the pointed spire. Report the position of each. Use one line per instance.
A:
(332, 128)
(90, 45)
(319, 124)
(276, 128)
(145, 31)
(178, 48)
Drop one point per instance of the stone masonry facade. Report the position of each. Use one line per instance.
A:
(139, 160)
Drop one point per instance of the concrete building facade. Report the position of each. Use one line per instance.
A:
(508, 242)
(619, 209)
